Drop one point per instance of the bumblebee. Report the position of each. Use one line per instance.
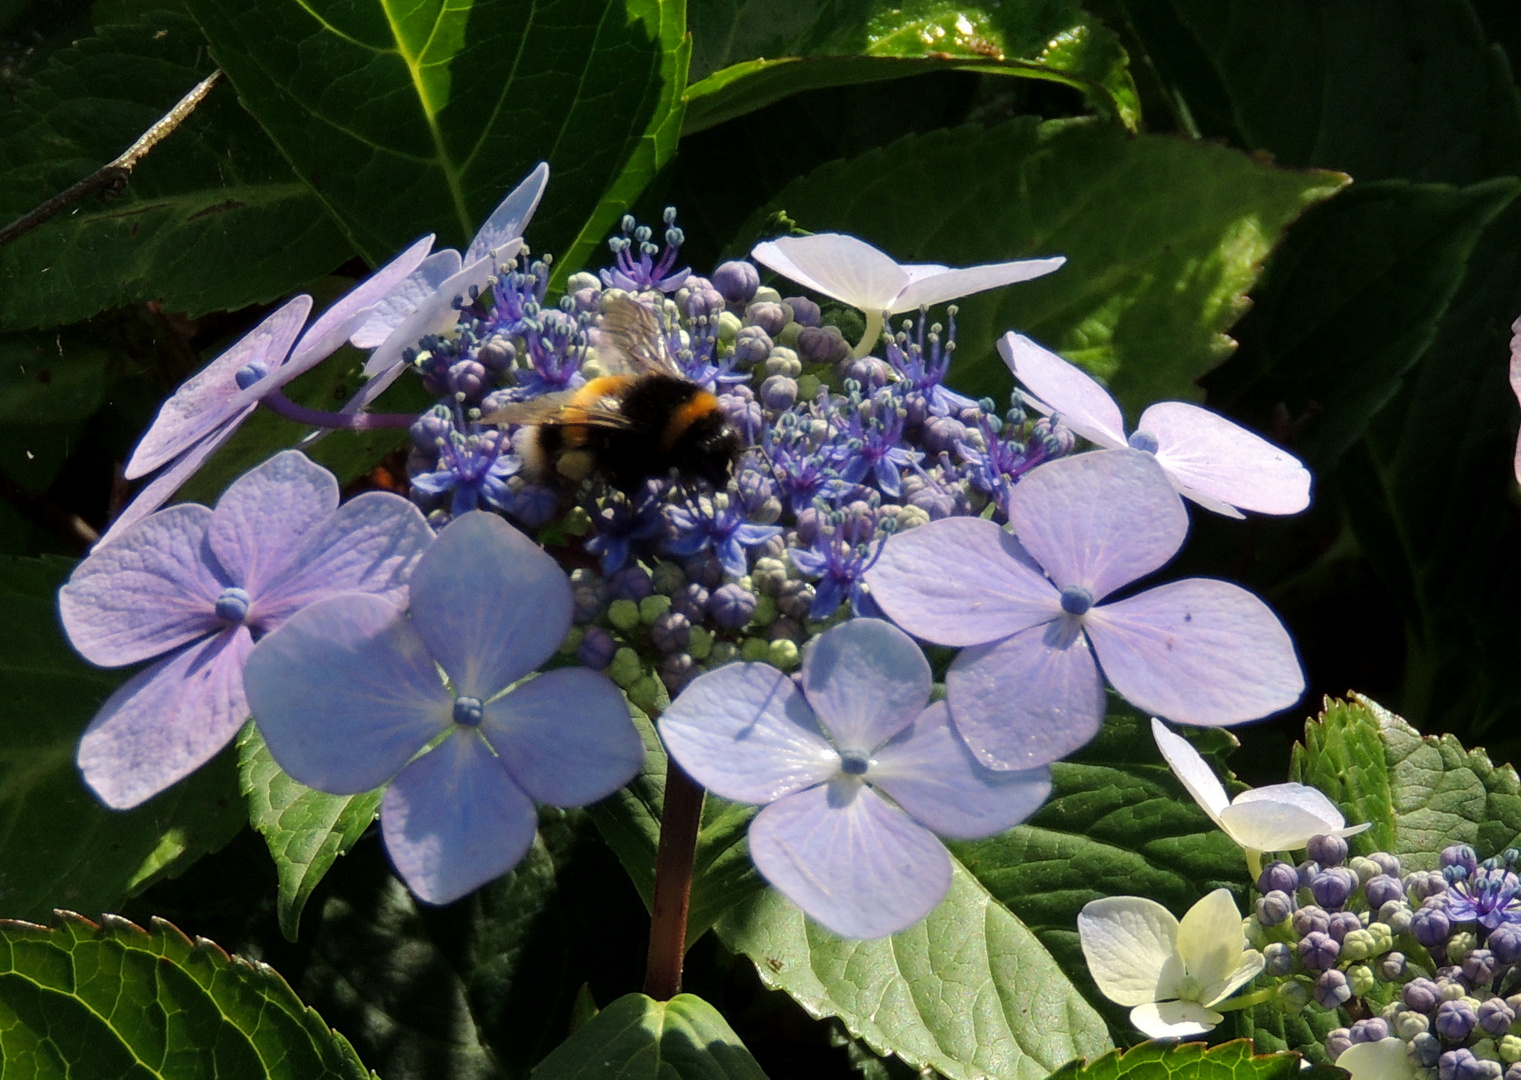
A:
(647, 421)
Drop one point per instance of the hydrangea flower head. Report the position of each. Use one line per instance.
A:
(1172, 973)
(348, 696)
(196, 586)
(1028, 613)
(853, 272)
(1279, 817)
(1216, 463)
(857, 776)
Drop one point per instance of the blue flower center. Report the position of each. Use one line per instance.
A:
(1143, 441)
(854, 763)
(1076, 600)
(232, 605)
(467, 711)
(249, 374)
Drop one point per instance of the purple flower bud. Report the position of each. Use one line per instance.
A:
(1420, 885)
(1422, 995)
(1278, 958)
(751, 346)
(1273, 908)
(1514, 1072)
(1370, 1030)
(534, 505)
(588, 602)
(630, 583)
(597, 648)
(822, 345)
(1343, 923)
(731, 606)
(1383, 888)
(870, 372)
(1479, 966)
(737, 281)
(778, 392)
(587, 299)
(1333, 887)
(1337, 1041)
(704, 302)
(1461, 1064)
(1455, 1020)
(1430, 926)
(671, 632)
(770, 317)
(676, 671)
(1391, 966)
(1326, 850)
(807, 526)
(1310, 917)
(1460, 855)
(1332, 989)
(804, 311)
(1425, 1049)
(1308, 871)
(1505, 942)
(496, 354)
(1496, 1017)
(690, 600)
(430, 427)
(1387, 863)
(795, 599)
(704, 568)
(1277, 876)
(1318, 951)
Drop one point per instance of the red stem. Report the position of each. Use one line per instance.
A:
(679, 822)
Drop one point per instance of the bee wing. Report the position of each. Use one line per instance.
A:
(559, 408)
(635, 335)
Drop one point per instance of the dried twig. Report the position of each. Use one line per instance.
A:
(110, 178)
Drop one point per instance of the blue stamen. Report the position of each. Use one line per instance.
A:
(468, 711)
(1076, 600)
(1143, 441)
(249, 374)
(854, 763)
(232, 605)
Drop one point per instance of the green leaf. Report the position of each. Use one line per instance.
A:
(749, 54)
(1191, 1061)
(115, 1000)
(58, 844)
(1118, 823)
(639, 1038)
(306, 830)
(1163, 238)
(412, 119)
(212, 219)
(1343, 755)
(629, 820)
(1350, 304)
(50, 384)
(969, 992)
(1440, 793)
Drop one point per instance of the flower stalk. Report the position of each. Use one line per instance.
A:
(680, 820)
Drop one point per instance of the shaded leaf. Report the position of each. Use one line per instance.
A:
(1192, 1061)
(749, 54)
(419, 119)
(115, 1000)
(58, 844)
(637, 1037)
(213, 218)
(1163, 238)
(306, 830)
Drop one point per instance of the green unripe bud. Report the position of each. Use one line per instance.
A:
(652, 607)
(1509, 1049)
(1460, 945)
(755, 650)
(625, 670)
(1293, 996)
(765, 610)
(645, 693)
(667, 577)
(573, 639)
(700, 644)
(1410, 1023)
(577, 521)
(624, 614)
(808, 387)
(723, 652)
(782, 653)
(789, 335)
(1364, 868)
(1358, 945)
(728, 326)
(1451, 992)
(766, 295)
(1360, 977)
(1383, 937)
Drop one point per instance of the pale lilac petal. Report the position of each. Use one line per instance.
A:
(961, 581)
(929, 772)
(167, 720)
(150, 592)
(159, 490)
(1066, 389)
(947, 285)
(843, 267)
(1197, 652)
(1283, 817)
(206, 401)
(1025, 702)
(369, 544)
(392, 310)
(490, 603)
(855, 864)
(437, 314)
(1131, 946)
(345, 693)
(1174, 1019)
(348, 313)
(1207, 454)
(454, 820)
(565, 736)
(866, 681)
(1099, 520)
(745, 732)
(261, 519)
(511, 216)
(1191, 770)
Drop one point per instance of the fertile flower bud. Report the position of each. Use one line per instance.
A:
(1273, 908)
(1365, 869)
(1277, 876)
(770, 317)
(1293, 996)
(1337, 1042)
(1381, 888)
(1371, 1030)
(1391, 968)
(1318, 951)
(804, 311)
(1358, 945)
(1455, 1020)
(1343, 923)
(1422, 995)
(1360, 979)
(751, 346)
(731, 606)
(1333, 887)
(1410, 1023)
(1332, 989)
(1505, 942)
(1326, 850)
(1459, 855)
(597, 648)
(1311, 917)
(1479, 967)
(1425, 1049)
(1496, 1017)
(737, 281)
(1430, 926)
(1278, 958)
